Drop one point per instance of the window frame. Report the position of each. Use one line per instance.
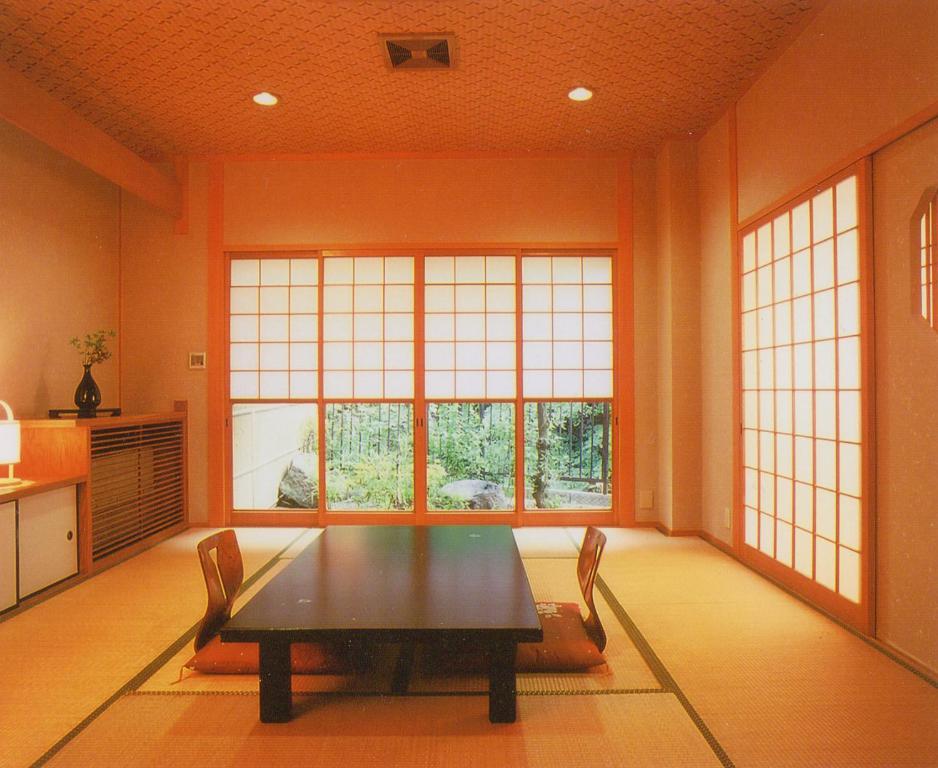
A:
(517, 516)
(927, 208)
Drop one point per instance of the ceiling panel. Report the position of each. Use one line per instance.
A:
(166, 77)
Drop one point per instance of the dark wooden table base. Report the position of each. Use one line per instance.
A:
(502, 686)
(276, 689)
(276, 693)
(445, 586)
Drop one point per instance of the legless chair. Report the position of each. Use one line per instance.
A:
(223, 577)
(570, 642)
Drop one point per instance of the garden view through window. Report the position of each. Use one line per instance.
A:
(504, 366)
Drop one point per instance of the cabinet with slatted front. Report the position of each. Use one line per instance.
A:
(135, 494)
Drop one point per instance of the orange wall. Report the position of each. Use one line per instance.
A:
(716, 338)
(906, 397)
(859, 69)
(353, 202)
(163, 295)
(420, 201)
(58, 274)
(645, 273)
(678, 299)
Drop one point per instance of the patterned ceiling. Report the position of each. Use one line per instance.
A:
(167, 77)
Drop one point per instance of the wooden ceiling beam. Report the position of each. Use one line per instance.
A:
(33, 110)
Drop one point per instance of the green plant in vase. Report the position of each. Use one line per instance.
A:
(93, 350)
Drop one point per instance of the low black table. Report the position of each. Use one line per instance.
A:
(451, 584)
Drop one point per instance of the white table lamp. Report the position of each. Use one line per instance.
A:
(9, 444)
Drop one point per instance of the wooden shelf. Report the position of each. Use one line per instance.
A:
(33, 485)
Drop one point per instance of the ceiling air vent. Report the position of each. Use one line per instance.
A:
(418, 51)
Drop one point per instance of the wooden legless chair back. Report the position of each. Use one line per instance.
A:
(223, 576)
(587, 567)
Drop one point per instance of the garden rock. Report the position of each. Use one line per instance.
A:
(479, 494)
(297, 488)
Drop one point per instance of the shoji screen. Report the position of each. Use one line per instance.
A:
(567, 326)
(273, 328)
(802, 288)
(470, 327)
(368, 327)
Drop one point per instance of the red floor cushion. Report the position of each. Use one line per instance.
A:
(216, 657)
(566, 646)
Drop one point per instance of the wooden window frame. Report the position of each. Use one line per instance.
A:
(925, 276)
(421, 515)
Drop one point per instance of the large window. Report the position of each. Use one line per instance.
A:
(440, 382)
(802, 287)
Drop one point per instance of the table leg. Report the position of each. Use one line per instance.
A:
(276, 694)
(502, 682)
(403, 668)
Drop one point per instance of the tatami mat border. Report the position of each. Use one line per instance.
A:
(571, 692)
(667, 681)
(137, 680)
(668, 684)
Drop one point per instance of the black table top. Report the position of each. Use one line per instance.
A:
(396, 582)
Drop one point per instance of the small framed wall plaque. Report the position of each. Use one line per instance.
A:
(197, 360)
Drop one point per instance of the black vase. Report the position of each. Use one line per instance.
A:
(87, 395)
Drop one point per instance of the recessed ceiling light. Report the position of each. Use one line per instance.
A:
(580, 94)
(265, 99)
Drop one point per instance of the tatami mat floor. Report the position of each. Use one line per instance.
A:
(709, 664)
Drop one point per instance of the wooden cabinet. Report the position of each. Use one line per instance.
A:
(97, 491)
(48, 544)
(134, 493)
(38, 537)
(7, 555)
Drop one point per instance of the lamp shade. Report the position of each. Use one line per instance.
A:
(9, 436)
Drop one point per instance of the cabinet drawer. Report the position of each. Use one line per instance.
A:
(48, 544)
(7, 555)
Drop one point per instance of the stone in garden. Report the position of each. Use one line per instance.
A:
(581, 499)
(479, 494)
(298, 485)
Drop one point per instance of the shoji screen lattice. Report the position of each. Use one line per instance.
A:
(567, 326)
(273, 328)
(469, 309)
(368, 327)
(801, 296)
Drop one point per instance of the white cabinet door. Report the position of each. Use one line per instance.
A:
(7, 555)
(48, 540)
